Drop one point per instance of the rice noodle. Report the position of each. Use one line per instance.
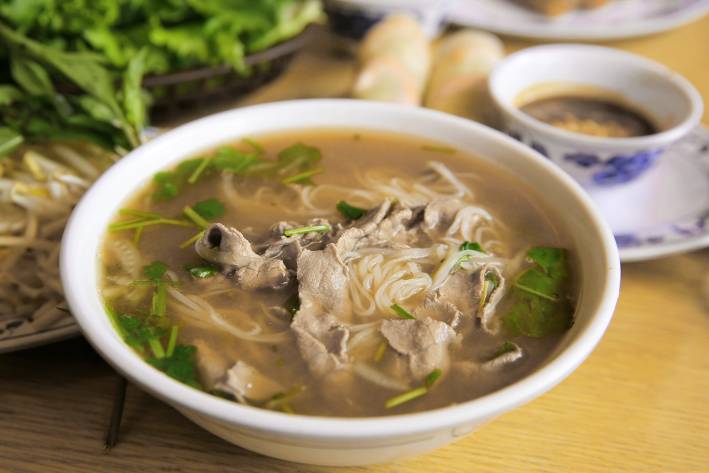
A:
(375, 376)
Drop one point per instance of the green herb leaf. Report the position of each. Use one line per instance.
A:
(474, 246)
(401, 312)
(137, 332)
(209, 209)
(181, 365)
(31, 76)
(155, 270)
(232, 160)
(350, 212)
(540, 305)
(133, 101)
(203, 271)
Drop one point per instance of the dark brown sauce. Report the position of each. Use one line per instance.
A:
(590, 116)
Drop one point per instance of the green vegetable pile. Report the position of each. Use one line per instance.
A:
(175, 35)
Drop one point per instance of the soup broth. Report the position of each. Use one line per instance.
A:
(391, 275)
(590, 116)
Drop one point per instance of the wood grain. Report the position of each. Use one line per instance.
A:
(639, 403)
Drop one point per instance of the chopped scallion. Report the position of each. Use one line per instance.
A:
(303, 230)
(200, 169)
(406, 397)
(401, 312)
(156, 348)
(432, 377)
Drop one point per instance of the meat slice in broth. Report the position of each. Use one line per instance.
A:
(227, 247)
(424, 341)
(244, 381)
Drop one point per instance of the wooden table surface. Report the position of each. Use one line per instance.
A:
(640, 403)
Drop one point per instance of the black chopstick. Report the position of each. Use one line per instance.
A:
(114, 426)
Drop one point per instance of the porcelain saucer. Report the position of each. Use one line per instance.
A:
(666, 211)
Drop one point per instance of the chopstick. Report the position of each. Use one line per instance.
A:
(114, 425)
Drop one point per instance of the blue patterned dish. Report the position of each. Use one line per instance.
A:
(669, 100)
(665, 211)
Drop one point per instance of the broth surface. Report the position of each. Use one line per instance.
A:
(253, 205)
(590, 116)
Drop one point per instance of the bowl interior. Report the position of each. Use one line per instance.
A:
(598, 262)
(664, 96)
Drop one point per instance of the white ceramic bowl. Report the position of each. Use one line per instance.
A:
(338, 441)
(667, 98)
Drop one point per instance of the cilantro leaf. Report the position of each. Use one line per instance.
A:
(231, 159)
(350, 212)
(209, 209)
(137, 332)
(155, 270)
(474, 246)
(506, 347)
(181, 365)
(540, 305)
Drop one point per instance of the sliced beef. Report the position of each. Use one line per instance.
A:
(424, 341)
(439, 310)
(243, 380)
(504, 359)
(466, 290)
(227, 247)
(279, 246)
(322, 340)
(386, 225)
(440, 214)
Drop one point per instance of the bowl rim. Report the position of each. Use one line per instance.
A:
(672, 78)
(123, 359)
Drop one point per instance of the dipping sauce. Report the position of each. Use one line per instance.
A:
(590, 116)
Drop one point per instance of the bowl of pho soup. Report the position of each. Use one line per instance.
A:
(337, 282)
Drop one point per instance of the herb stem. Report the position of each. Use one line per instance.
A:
(139, 213)
(172, 342)
(302, 230)
(192, 239)
(156, 347)
(195, 217)
(406, 397)
(200, 169)
(302, 176)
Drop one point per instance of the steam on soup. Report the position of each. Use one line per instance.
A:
(348, 274)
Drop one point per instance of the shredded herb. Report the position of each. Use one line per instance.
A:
(145, 222)
(172, 341)
(200, 169)
(438, 149)
(401, 312)
(257, 147)
(159, 301)
(406, 397)
(350, 212)
(303, 230)
(303, 177)
(541, 307)
(202, 271)
(432, 377)
(381, 350)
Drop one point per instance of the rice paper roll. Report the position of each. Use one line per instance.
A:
(395, 59)
(461, 65)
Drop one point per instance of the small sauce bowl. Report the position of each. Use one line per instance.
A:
(667, 99)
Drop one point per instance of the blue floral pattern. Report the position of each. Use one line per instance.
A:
(618, 169)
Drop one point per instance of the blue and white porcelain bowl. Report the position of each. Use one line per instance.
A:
(670, 102)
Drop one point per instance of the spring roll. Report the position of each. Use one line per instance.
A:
(395, 59)
(458, 82)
